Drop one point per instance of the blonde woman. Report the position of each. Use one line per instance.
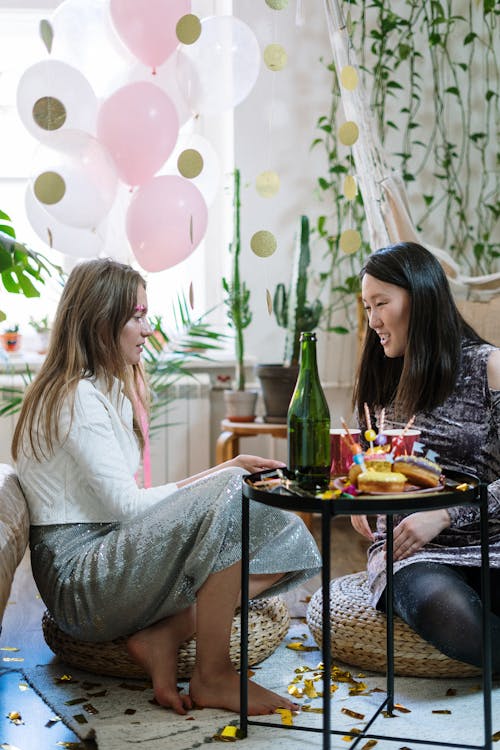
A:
(111, 559)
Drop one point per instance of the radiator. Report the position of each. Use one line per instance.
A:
(178, 450)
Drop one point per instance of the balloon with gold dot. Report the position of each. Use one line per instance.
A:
(267, 184)
(348, 133)
(190, 163)
(49, 188)
(263, 243)
(349, 77)
(188, 29)
(275, 57)
(350, 241)
(350, 187)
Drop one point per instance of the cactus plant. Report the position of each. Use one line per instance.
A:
(291, 308)
(237, 293)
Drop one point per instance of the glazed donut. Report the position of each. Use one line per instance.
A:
(418, 470)
(381, 481)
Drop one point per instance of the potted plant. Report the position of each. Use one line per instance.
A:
(11, 338)
(42, 330)
(240, 403)
(294, 313)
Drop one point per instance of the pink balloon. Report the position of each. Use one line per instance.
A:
(166, 220)
(148, 27)
(138, 124)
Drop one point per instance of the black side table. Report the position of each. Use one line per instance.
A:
(280, 497)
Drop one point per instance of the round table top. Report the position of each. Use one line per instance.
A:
(282, 497)
(258, 427)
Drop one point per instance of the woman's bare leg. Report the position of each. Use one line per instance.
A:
(156, 648)
(215, 682)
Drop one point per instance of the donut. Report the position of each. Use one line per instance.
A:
(381, 481)
(418, 470)
(378, 461)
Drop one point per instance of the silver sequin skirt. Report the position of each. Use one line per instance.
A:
(105, 580)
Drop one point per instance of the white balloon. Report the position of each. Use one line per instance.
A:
(85, 37)
(89, 176)
(208, 180)
(56, 79)
(219, 70)
(79, 243)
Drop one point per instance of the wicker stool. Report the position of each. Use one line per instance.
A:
(268, 623)
(359, 634)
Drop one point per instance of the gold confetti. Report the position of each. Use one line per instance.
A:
(441, 711)
(80, 718)
(228, 733)
(295, 646)
(99, 694)
(349, 737)
(75, 701)
(348, 133)
(352, 714)
(90, 709)
(369, 744)
(23, 686)
(65, 678)
(13, 658)
(188, 28)
(263, 243)
(402, 709)
(496, 737)
(15, 717)
(310, 690)
(71, 745)
(267, 184)
(9, 648)
(349, 77)
(295, 691)
(309, 709)
(286, 716)
(275, 57)
(52, 721)
(49, 188)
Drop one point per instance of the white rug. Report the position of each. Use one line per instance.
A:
(119, 714)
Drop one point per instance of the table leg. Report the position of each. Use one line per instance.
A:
(486, 624)
(390, 613)
(326, 635)
(245, 572)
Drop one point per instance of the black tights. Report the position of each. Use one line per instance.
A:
(442, 604)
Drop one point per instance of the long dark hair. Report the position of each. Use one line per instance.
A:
(426, 375)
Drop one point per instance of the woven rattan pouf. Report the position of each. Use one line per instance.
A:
(268, 623)
(358, 634)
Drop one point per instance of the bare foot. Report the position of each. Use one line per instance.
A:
(222, 690)
(155, 648)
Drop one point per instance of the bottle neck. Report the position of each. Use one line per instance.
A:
(308, 355)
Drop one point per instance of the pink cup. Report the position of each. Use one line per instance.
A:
(341, 454)
(408, 440)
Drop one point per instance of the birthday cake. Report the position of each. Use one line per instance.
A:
(386, 466)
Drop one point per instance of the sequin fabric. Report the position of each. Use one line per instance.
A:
(104, 580)
(465, 432)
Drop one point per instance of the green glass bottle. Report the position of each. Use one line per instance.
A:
(309, 422)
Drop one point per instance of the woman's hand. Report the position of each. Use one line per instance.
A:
(362, 526)
(416, 530)
(253, 463)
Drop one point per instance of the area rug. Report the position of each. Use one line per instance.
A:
(121, 714)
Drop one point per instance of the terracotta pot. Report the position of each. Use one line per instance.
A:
(240, 405)
(278, 384)
(11, 341)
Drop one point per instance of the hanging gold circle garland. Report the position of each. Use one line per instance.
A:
(349, 77)
(190, 163)
(348, 133)
(267, 184)
(49, 113)
(188, 29)
(263, 243)
(350, 241)
(277, 4)
(275, 57)
(350, 187)
(49, 188)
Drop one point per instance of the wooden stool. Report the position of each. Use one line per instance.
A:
(358, 633)
(228, 443)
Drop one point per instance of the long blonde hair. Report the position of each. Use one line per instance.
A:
(98, 298)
